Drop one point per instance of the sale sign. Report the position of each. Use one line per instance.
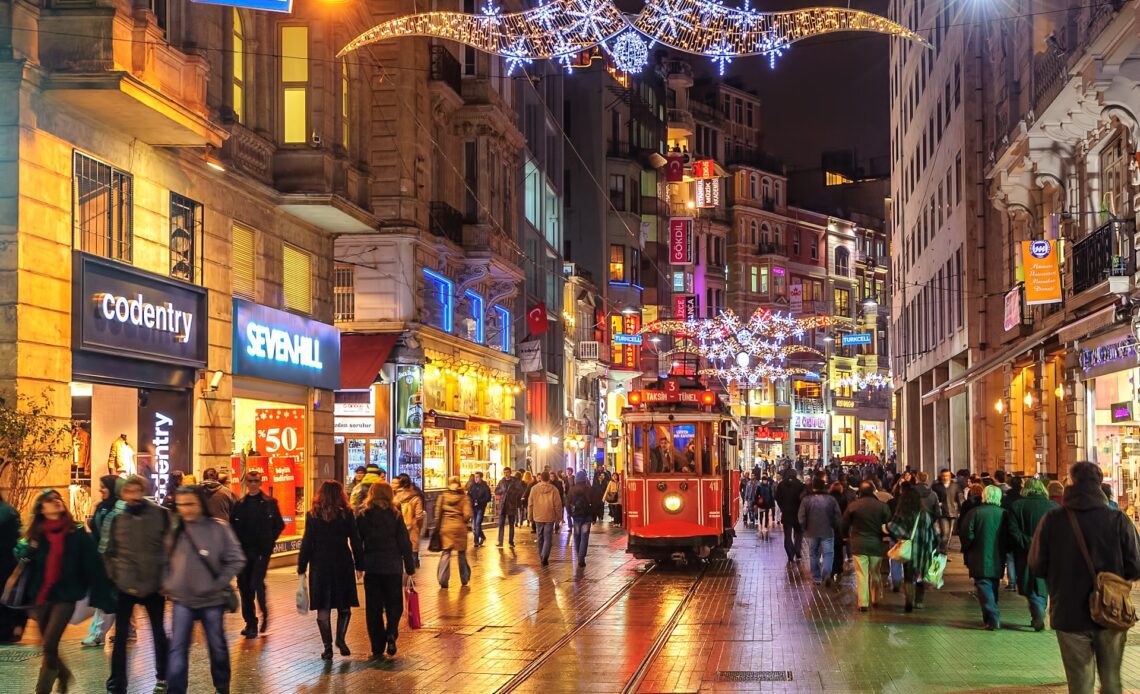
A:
(280, 432)
(680, 247)
(283, 473)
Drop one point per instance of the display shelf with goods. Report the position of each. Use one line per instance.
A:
(479, 451)
(435, 458)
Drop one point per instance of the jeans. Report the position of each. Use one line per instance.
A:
(793, 539)
(443, 572)
(101, 623)
(155, 606)
(477, 514)
(987, 590)
(53, 618)
(1011, 569)
(581, 540)
(945, 532)
(821, 546)
(545, 540)
(507, 520)
(182, 628)
(914, 587)
(1086, 654)
(251, 584)
(896, 570)
(383, 595)
(868, 579)
(764, 519)
(1037, 603)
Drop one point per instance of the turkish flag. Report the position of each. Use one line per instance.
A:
(674, 167)
(536, 320)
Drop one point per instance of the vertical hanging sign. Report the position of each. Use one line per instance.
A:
(680, 240)
(1042, 275)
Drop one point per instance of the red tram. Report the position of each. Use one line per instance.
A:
(682, 475)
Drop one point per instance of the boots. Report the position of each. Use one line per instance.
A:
(326, 637)
(342, 618)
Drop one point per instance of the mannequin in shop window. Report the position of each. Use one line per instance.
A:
(121, 462)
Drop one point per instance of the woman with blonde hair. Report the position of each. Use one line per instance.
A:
(387, 556)
(452, 514)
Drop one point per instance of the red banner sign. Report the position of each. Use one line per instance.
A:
(766, 434)
(680, 235)
(632, 352)
(283, 473)
(704, 168)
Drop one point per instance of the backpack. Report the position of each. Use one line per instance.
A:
(582, 504)
(1110, 604)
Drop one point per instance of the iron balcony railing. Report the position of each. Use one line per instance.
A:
(1106, 252)
(446, 222)
(445, 68)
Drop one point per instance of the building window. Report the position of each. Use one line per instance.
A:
(752, 186)
(244, 263)
(102, 209)
(958, 179)
(473, 318)
(617, 191)
(295, 84)
(185, 237)
(764, 270)
(500, 334)
(617, 263)
(752, 229)
(634, 196)
(345, 117)
(754, 275)
(1114, 161)
(842, 261)
(843, 303)
(238, 94)
(813, 247)
(344, 293)
(297, 283)
(439, 300)
(635, 267)
(795, 243)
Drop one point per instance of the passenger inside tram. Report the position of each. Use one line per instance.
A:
(674, 449)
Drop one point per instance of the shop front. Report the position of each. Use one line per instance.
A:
(1108, 366)
(283, 366)
(362, 408)
(809, 434)
(138, 340)
(771, 441)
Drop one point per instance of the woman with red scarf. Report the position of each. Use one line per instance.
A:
(64, 567)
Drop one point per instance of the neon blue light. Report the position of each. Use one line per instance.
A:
(267, 5)
(476, 313)
(619, 284)
(446, 297)
(504, 328)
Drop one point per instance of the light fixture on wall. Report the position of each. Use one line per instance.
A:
(1059, 392)
(999, 406)
(1028, 399)
(212, 160)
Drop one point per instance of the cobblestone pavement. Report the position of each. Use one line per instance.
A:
(749, 623)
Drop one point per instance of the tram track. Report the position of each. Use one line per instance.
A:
(645, 663)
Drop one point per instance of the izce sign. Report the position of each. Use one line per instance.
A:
(281, 346)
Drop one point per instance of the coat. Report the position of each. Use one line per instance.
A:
(188, 581)
(411, 507)
(452, 514)
(219, 500)
(82, 575)
(1025, 513)
(509, 494)
(1112, 543)
(330, 553)
(947, 497)
(862, 524)
(545, 504)
(924, 539)
(613, 491)
(582, 505)
(384, 542)
(930, 500)
(818, 515)
(257, 522)
(788, 495)
(985, 540)
(480, 494)
(135, 548)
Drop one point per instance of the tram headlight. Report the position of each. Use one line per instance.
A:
(672, 502)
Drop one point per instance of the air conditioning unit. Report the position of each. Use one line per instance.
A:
(589, 350)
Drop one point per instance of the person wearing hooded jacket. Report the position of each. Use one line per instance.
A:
(102, 622)
(386, 555)
(372, 474)
(1025, 514)
(1087, 649)
(544, 508)
(410, 502)
(582, 505)
(220, 499)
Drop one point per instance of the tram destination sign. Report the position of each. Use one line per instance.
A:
(691, 397)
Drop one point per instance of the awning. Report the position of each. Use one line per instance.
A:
(361, 357)
(958, 385)
(438, 419)
(512, 427)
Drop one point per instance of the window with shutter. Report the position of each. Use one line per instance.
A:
(244, 274)
(298, 280)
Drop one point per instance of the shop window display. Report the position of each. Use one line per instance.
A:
(271, 437)
(435, 458)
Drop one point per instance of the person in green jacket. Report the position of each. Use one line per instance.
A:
(64, 568)
(1025, 514)
(985, 538)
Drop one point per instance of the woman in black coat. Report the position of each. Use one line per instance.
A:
(11, 621)
(387, 556)
(331, 546)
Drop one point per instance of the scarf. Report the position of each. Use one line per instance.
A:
(55, 538)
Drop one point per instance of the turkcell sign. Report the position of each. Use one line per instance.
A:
(621, 339)
(281, 346)
(857, 339)
(266, 5)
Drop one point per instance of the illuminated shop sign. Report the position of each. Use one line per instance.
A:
(680, 245)
(809, 421)
(1121, 412)
(163, 435)
(280, 346)
(266, 5)
(1106, 354)
(857, 339)
(126, 312)
(627, 339)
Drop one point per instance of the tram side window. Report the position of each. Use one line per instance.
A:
(638, 449)
(710, 453)
(673, 449)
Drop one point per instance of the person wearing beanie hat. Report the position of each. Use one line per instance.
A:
(583, 510)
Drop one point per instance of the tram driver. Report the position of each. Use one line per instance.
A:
(661, 458)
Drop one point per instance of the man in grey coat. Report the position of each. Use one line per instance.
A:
(819, 517)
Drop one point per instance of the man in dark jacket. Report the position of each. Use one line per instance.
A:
(134, 553)
(480, 495)
(582, 505)
(985, 542)
(862, 525)
(508, 493)
(948, 493)
(788, 494)
(257, 523)
(819, 517)
(1113, 545)
(219, 499)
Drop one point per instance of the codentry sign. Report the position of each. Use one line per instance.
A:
(125, 312)
(281, 346)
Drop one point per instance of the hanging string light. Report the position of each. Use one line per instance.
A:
(560, 28)
(862, 381)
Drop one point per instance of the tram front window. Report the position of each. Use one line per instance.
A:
(676, 449)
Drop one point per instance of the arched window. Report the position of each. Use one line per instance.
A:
(776, 198)
(239, 68)
(752, 186)
(765, 235)
(766, 189)
(753, 235)
(842, 260)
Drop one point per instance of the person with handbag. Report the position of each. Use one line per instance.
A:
(11, 621)
(203, 559)
(452, 515)
(985, 538)
(330, 551)
(1025, 514)
(387, 557)
(613, 498)
(1088, 549)
(102, 622)
(134, 552)
(913, 523)
(58, 567)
